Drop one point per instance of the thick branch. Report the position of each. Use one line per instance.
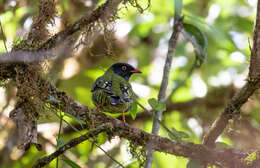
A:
(232, 108)
(254, 69)
(228, 157)
(35, 56)
(200, 152)
(102, 13)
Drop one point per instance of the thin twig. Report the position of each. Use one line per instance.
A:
(72, 143)
(107, 154)
(2, 31)
(249, 44)
(93, 142)
(178, 23)
(159, 121)
(59, 135)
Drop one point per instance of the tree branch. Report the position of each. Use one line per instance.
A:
(178, 24)
(36, 56)
(229, 157)
(102, 13)
(228, 113)
(72, 143)
(254, 69)
(242, 96)
(226, 157)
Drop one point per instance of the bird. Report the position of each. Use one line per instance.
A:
(112, 91)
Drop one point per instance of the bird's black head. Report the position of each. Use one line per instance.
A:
(123, 69)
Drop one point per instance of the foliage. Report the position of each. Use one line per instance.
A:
(156, 105)
(198, 40)
(141, 39)
(252, 157)
(179, 135)
(71, 163)
(133, 111)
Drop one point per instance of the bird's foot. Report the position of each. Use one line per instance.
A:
(98, 106)
(124, 116)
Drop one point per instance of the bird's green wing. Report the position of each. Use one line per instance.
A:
(102, 84)
(122, 88)
(113, 84)
(114, 90)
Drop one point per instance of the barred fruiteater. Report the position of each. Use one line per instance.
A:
(112, 92)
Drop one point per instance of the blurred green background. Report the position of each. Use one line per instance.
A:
(141, 39)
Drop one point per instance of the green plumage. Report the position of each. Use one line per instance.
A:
(112, 93)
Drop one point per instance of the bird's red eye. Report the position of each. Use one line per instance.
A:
(123, 68)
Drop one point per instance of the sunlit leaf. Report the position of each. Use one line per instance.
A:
(198, 40)
(65, 4)
(71, 163)
(252, 157)
(156, 105)
(153, 102)
(133, 111)
(81, 122)
(17, 41)
(194, 164)
(161, 106)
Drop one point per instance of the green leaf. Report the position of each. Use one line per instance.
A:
(177, 8)
(65, 4)
(178, 135)
(71, 163)
(194, 164)
(183, 134)
(161, 106)
(153, 102)
(17, 41)
(133, 111)
(156, 105)
(198, 40)
(252, 157)
(81, 122)
(60, 143)
(173, 136)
